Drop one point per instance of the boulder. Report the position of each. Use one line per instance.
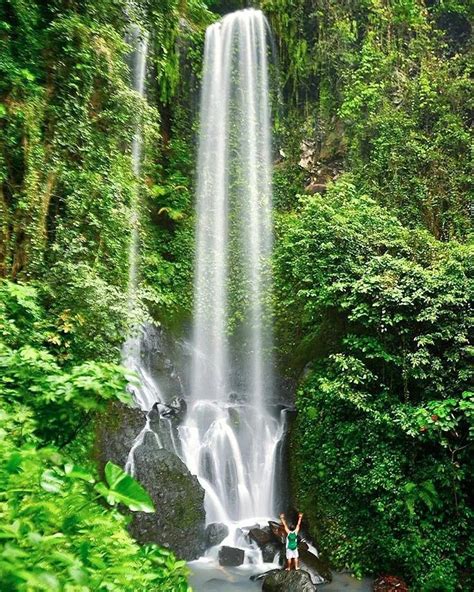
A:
(277, 530)
(116, 431)
(261, 536)
(261, 576)
(179, 521)
(179, 407)
(175, 411)
(269, 550)
(234, 416)
(215, 533)
(315, 566)
(313, 188)
(178, 497)
(231, 556)
(280, 580)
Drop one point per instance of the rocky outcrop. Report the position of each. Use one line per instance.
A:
(287, 581)
(316, 568)
(277, 530)
(269, 552)
(179, 521)
(174, 411)
(313, 188)
(116, 432)
(179, 501)
(231, 556)
(215, 533)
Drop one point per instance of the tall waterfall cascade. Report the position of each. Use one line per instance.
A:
(231, 438)
(232, 434)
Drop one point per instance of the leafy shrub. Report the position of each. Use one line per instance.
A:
(57, 529)
(56, 535)
(385, 414)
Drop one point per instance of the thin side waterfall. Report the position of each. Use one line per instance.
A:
(138, 40)
(231, 437)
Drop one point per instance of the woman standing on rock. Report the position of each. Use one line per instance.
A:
(291, 543)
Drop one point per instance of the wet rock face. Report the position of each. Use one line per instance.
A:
(116, 432)
(261, 536)
(216, 533)
(287, 581)
(231, 556)
(270, 550)
(277, 530)
(178, 497)
(271, 541)
(174, 411)
(316, 568)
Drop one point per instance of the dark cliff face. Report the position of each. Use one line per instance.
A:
(179, 520)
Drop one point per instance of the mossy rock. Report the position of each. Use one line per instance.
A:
(179, 521)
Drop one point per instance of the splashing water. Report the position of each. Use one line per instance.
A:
(232, 434)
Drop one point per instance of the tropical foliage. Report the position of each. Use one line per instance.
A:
(67, 119)
(373, 274)
(374, 279)
(60, 525)
(381, 441)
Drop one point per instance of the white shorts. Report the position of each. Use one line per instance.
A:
(290, 554)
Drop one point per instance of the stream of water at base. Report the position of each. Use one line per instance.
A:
(206, 577)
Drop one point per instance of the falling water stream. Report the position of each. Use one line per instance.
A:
(230, 437)
(138, 40)
(232, 434)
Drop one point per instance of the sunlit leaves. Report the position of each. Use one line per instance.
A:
(123, 489)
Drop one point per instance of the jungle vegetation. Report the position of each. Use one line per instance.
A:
(372, 263)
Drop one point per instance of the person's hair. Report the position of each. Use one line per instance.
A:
(291, 526)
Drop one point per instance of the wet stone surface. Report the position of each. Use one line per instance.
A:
(215, 533)
(231, 556)
(288, 581)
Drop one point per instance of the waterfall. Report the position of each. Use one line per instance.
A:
(138, 40)
(230, 437)
(232, 434)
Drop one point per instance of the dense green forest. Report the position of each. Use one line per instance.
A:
(372, 266)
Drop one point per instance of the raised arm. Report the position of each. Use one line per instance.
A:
(283, 521)
(300, 518)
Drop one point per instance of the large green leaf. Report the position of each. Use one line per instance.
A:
(51, 481)
(76, 472)
(124, 489)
